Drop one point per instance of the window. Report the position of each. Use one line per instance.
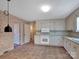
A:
(77, 24)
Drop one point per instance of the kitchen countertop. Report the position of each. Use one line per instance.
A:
(74, 39)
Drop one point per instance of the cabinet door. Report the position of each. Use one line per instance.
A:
(52, 40)
(51, 25)
(58, 40)
(45, 24)
(77, 51)
(68, 46)
(38, 25)
(37, 39)
(73, 50)
(42, 24)
(65, 43)
(59, 24)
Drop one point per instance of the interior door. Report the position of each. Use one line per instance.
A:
(26, 33)
(16, 34)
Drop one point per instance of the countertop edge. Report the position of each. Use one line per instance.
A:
(73, 39)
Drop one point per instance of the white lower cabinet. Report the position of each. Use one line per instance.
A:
(37, 39)
(77, 51)
(58, 40)
(71, 48)
(49, 40)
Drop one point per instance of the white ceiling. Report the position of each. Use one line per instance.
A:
(30, 9)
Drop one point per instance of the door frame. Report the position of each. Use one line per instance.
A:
(18, 31)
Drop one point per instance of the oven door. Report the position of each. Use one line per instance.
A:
(45, 39)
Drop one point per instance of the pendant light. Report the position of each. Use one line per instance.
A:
(8, 28)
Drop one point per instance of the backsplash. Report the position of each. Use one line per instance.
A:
(73, 34)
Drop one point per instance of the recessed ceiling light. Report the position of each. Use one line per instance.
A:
(45, 8)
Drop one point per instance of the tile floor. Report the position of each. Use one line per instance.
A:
(30, 51)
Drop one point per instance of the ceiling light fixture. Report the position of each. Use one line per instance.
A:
(45, 8)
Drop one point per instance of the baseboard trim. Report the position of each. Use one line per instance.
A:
(68, 53)
(49, 45)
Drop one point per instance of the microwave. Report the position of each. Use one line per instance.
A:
(45, 30)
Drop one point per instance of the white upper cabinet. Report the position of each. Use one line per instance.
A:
(51, 24)
(42, 24)
(59, 24)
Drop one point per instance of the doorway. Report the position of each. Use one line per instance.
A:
(32, 31)
(26, 33)
(16, 33)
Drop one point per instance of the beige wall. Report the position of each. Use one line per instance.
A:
(6, 39)
(72, 17)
